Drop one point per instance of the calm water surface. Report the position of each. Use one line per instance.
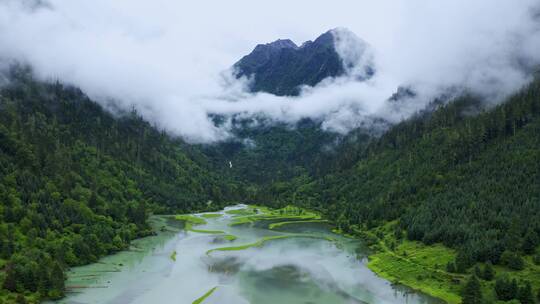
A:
(286, 271)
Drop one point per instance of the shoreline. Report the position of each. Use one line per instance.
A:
(376, 258)
(396, 269)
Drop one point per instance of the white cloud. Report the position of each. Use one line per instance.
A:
(167, 57)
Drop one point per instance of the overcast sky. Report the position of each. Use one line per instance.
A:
(167, 57)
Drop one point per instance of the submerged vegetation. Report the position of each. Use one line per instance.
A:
(266, 214)
(206, 295)
(192, 220)
(230, 237)
(251, 215)
(265, 239)
(281, 224)
(210, 215)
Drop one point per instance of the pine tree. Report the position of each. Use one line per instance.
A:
(471, 292)
(505, 288)
(57, 281)
(477, 271)
(489, 272)
(20, 299)
(44, 284)
(530, 242)
(525, 294)
(513, 260)
(451, 267)
(463, 261)
(536, 259)
(516, 262)
(10, 281)
(513, 289)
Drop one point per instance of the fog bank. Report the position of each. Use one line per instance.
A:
(169, 59)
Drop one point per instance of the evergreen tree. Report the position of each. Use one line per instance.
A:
(451, 267)
(489, 272)
(472, 293)
(10, 279)
(525, 294)
(536, 259)
(530, 242)
(506, 289)
(477, 272)
(463, 261)
(44, 284)
(57, 281)
(513, 260)
(516, 262)
(20, 299)
(513, 289)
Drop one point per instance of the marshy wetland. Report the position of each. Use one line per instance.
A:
(243, 254)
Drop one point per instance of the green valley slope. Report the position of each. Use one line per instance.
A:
(463, 176)
(77, 183)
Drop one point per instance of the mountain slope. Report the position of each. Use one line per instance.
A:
(470, 182)
(281, 67)
(77, 183)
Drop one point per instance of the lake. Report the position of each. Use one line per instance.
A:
(301, 263)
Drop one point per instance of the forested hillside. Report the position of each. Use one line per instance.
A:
(463, 176)
(77, 183)
(269, 152)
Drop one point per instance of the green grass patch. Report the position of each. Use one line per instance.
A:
(245, 211)
(419, 266)
(261, 242)
(438, 284)
(211, 215)
(191, 219)
(230, 237)
(530, 273)
(206, 295)
(288, 213)
(281, 224)
(241, 221)
(423, 267)
(207, 231)
(11, 297)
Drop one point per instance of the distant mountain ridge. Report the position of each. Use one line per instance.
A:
(281, 67)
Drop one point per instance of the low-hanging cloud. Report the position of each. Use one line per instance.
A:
(167, 58)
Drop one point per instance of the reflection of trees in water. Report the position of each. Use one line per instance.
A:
(223, 265)
(298, 281)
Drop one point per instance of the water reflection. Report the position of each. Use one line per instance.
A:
(289, 270)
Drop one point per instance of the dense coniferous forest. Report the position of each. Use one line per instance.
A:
(269, 151)
(78, 183)
(464, 175)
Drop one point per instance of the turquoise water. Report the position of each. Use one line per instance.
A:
(284, 271)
